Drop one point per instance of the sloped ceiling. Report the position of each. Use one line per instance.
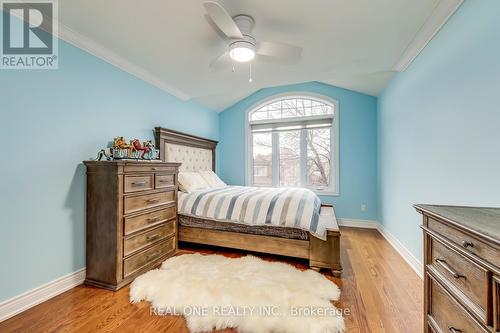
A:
(351, 44)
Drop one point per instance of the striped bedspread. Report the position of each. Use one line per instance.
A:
(284, 207)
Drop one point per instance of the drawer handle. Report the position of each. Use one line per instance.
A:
(154, 169)
(152, 255)
(153, 237)
(138, 183)
(467, 243)
(163, 181)
(150, 201)
(153, 219)
(454, 330)
(445, 265)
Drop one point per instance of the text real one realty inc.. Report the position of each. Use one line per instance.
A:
(243, 311)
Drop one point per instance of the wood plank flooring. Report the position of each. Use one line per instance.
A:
(380, 289)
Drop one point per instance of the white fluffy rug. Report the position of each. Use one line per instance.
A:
(250, 294)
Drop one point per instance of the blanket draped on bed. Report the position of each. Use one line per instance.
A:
(285, 207)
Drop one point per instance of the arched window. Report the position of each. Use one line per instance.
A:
(293, 141)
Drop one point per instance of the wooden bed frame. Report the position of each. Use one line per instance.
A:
(321, 254)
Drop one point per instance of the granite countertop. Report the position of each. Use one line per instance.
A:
(484, 221)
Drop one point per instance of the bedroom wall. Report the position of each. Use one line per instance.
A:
(439, 124)
(357, 142)
(50, 122)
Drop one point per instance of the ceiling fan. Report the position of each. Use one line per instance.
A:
(243, 47)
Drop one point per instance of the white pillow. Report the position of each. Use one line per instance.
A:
(212, 179)
(191, 181)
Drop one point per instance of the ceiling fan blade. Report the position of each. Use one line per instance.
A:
(279, 50)
(222, 61)
(222, 19)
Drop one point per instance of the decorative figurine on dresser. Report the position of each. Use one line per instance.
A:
(131, 219)
(462, 269)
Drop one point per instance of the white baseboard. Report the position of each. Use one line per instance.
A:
(23, 302)
(369, 224)
(412, 261)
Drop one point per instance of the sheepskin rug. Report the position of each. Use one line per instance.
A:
(247, 293)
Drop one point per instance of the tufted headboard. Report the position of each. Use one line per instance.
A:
(195, 153)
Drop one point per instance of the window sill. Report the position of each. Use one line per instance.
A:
(326, 193)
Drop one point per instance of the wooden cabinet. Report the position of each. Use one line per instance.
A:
(131, 219)
(462, 268)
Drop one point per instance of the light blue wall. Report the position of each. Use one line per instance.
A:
(439, 124)
(358, 145)
(50, 121)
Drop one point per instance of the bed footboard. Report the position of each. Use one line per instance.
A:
(326, 254)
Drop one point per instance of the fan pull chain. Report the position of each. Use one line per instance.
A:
(250, 80)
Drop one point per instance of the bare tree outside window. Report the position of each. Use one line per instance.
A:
(302, 148)
(318, 157)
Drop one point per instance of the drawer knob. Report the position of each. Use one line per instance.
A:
(467, 243)
(153, 237)
(153, 219)
(454, 330)
(447, 267)
(152, 255)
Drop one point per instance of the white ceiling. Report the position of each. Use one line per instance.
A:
(351, 44)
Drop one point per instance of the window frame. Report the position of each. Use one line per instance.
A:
(333, 189)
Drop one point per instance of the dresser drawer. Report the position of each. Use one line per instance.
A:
(138, 242)
(469, 243)
(144, 221)
(148, 168)
(472, 280)
(139, 202)
(143, 259)
(138, 183)
(162, 181)
(496, 304)
(447, 315)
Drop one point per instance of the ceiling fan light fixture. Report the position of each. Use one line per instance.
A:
(242, 51)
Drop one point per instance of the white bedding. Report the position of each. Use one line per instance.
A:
(284, 207)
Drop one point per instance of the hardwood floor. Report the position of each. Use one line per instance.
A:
(380, 289)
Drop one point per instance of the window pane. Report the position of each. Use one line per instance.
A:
(259, 115)
(289, 144)
(262, 159)
(318, 157)
(291, 108)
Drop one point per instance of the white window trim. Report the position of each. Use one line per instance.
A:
(334, 137)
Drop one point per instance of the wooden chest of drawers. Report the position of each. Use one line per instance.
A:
(462, 269)
(131, 219)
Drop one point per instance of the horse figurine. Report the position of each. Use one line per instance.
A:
(120, 143)
(136, 144)
(149, 144)
(102, 153)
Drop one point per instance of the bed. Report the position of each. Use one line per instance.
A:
(315, 236)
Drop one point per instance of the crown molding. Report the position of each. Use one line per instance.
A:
(88, 45)
(441, 14)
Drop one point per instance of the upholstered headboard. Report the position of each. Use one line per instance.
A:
(195, 153)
